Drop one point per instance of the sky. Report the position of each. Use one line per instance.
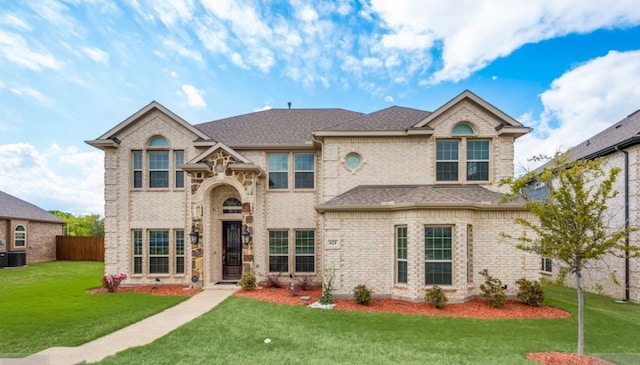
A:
(71, 69)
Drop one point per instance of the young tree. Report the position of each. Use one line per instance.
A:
(570, 225)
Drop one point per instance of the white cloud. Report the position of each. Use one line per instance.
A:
(389, 99)
(581, 103)
(474, 33)
(194, 96)
(171, 11)
(31, 93)
(14, 21)
(76, 185)
(182, 50)
(96, 54)
(15, 49)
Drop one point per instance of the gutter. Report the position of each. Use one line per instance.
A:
(627, 274)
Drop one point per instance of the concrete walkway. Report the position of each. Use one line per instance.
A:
(138, 334)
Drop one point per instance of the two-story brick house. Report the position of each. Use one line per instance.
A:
(399, 199)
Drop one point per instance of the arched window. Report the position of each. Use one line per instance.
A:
(232, 206)
(462, 129)
(158, 141)
(19, 236)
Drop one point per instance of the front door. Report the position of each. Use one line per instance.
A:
(231, 250)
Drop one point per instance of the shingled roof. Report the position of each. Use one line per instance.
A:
(622, 134)
(389, 119)
(14, 208)
(274, 126)
(393, 197)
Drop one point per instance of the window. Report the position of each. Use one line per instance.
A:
(158, 252)
(137, 251)
(278, 171)
(305, 251)
(161, 166)
(158, 169)
(469, 254)
(353, 161)
(447, 160)
(179, 252)
(20, 236)
(304, 170)
(179, 160)
(137, 169)
(477, 160)
(232, 206)
(401, 254)
(462, 129)
(438, 255)
(278, 251)
(547, 265)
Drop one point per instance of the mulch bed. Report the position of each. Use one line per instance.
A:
(163, 289)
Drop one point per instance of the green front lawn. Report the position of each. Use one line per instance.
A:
(45, 305)
(234, 333)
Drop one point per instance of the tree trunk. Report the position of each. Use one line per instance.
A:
(580, 313)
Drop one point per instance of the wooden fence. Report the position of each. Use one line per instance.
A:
(72, 248)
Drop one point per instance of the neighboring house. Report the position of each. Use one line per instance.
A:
(399, 199)
(620, 146)
(27, 233)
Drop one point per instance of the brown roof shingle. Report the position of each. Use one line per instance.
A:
(12, 207)
(621, 134)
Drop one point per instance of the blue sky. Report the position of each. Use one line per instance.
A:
(70, 70)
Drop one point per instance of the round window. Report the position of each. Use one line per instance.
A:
(353, 161)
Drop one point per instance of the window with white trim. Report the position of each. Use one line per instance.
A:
(401, 255)
(300, 166)
(178, 158)
(304, 170)
(278, 171)
(449, 159)
(19, 236)
(305, 251)
(278, 251)
(157, 166)
(232, 206)
(438, 255)
(179, 251)
(159, 252)
(137, 251)
(300, 257)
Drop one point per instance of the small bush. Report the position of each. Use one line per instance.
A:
(492, 290)
(112, 282)
(362, 294)
(436, 296)
(327, 289)
(274, 281)
(302, 284)
(247, 281)
(530, 292)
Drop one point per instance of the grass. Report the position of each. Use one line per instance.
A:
(45, 305)
(234, 332)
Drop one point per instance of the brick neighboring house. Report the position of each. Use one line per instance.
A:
(29, 229)
(619, 144)
(398, 200)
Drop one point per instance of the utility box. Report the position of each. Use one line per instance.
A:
(17, 258)
(4, 259)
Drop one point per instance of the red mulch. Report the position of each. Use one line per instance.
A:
(564, 358)
(163, 289)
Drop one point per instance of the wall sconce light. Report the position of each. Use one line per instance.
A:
(246, 236)
(194, 235)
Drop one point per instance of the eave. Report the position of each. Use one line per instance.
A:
(391, 206)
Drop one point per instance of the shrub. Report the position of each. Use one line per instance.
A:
(273, 281)
(112, 282)
(530, 292)
(362, 294)
(436, 296)
(492, 290)
(302, 284)
(247, 281)
(327, 289)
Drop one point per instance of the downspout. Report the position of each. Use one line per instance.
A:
(627, 274)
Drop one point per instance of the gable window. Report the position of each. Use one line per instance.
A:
(158, 252)
(304, 170)
(278, 171)
(137, 169)
(477, 160)
(20, 236)
(462, 129)
(305, 251)
(278, 251)
(401, 254)
(447, 160)
(438, 255)
(232, 206)
(158, 165)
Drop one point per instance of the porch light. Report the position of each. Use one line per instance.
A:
(246, 236)
(194, 235)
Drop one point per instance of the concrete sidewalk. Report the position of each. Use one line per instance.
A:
(138, 334)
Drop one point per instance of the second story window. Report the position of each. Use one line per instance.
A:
(477, 160)
(158, 169)
(447, 160)
(299, 166)
(304, 170)
(464, 158)
(278, 171)
(157, 166)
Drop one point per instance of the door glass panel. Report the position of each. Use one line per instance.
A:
(234, 248)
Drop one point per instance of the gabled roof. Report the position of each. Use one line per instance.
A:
(508, 124)
(397, 197)
(110, 137)
(274, 127)
(15, 208)
(394, 118)
(622, 134)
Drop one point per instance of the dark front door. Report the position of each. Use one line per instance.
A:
(231, 250)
